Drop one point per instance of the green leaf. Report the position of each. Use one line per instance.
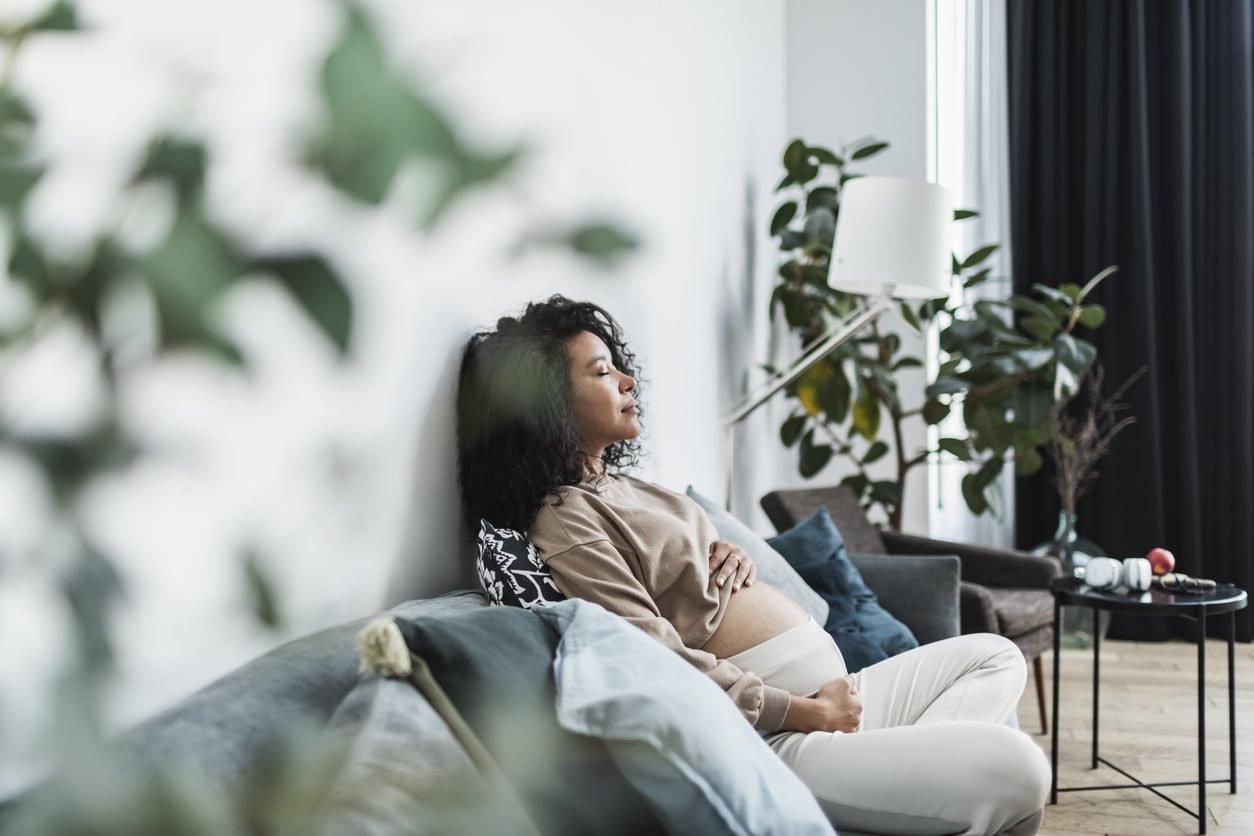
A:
(1092, 316)
(1061, 294)
(908, 363)
(1074, 353)
(795, 157)
(934, 412)
(956, 447)
(1071, 291)
(866, 415)
(1032, 406)
(963, 214)
(886, 492)
(907, 313)
(17, 178)
(973, 494)
(1027, 461)
(814, 459)
(260, 591)
(790, 430)
(783, 216)
(602, 243)
(835, 395)
(1092, 283)
(824, 156)
(979, 255)
(1032, 358)
(1039, 328)
(17, 122)
(989, 472)
(820, 227)
(61, 16)
(875, 452)
(318, 290)
(946, 386)
(866, 151)
(856, 482)
(977, 278)
(181, 161)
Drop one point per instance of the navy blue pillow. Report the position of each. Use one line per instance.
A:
(864, 631)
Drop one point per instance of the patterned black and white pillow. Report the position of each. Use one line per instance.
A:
(511, 571)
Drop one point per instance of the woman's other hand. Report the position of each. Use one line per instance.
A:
(729, 562)
(837, 707)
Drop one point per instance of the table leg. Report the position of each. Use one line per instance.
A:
(1201, 722)
(1053, 750)
(1097, 646)
(1232, 706)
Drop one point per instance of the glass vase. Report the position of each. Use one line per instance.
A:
(1074, 552)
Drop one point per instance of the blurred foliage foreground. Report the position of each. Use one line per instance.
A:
(375, 123)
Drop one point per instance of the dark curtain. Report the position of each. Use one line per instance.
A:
(1132, 143)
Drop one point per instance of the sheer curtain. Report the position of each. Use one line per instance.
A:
(972, 158)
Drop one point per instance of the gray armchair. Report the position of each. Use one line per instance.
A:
(1002, 591)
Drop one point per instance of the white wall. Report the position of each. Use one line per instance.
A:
(859, 69)
(668, 117)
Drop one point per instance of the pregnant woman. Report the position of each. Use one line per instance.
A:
(548, 419)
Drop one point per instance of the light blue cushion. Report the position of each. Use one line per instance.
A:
(772, 568)
(676, 737)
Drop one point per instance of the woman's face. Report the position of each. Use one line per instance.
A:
(605, 409)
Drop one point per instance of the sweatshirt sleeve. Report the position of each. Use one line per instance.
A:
(597, 572)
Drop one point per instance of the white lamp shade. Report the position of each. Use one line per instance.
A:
(893, 237)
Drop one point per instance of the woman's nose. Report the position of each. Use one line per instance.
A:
(627, 383)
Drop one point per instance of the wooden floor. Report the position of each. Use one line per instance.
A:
(1149, 728)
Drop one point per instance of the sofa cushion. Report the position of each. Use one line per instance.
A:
(1020, 611)
(772, 568)
(495, 665)
(403, 771)
(673, 732)
(864, 631)
(510, 571)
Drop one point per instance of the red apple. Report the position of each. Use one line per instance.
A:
(1161, 560)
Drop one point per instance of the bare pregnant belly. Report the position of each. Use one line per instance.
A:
(754, 614)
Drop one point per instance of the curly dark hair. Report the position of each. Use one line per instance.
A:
(516, 441)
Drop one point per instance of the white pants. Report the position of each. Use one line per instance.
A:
(933, 755)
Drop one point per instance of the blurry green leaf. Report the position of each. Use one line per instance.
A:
(602, 243)
(835, 394)
(956, 447)
(887, 492)
(907, 313)
(1092, 283)
(59, 17)
(1027, 461)
(181, 161)
(868, 150)
(856, 482)
(907, 363)
(945, 386)
(989, 472)
(1032, 358)
(977, 278)
(824, 155)
(875, 452)
(790, 430)
(814, 459)
(1039, 328)
(17, 178)
(820, 227)
(1032, 406)
(1053, 315)
(319, 291)
(973, 494)
(16, 123)
(1074, 353)
(795, 157)
(934, 412)
(783, 215)
(1066, 297)
(260, 590)
(1092, 316)
(963, 214)
(92, 586)
(978, 256)
(187, 273)
(866, 415)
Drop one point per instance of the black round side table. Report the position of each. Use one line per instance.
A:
(1195, 606)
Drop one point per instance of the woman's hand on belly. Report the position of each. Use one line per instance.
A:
(837, 707)
(731, 563)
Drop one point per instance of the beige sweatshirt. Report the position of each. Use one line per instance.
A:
(642, 552)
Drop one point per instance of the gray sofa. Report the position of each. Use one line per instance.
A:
(227, 733)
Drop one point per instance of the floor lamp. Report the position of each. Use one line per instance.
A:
(892, 242)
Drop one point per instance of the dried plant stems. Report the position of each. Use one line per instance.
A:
(1080, 440)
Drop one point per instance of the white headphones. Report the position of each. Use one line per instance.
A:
(1107, 573)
